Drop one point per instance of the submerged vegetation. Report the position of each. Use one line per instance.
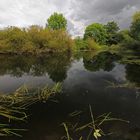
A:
(93, 128)
(14, 106)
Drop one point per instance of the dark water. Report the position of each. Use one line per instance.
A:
(86, 80)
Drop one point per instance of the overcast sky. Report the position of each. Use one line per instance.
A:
(79, 13)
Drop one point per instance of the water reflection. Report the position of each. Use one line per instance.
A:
(104, 61)
(55, 66)
(133, 73)
(84, 83)
(18, 70)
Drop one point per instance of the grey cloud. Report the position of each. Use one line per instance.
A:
(104, 10)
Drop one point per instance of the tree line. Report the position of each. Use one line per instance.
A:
(54, 37)
(111, 35)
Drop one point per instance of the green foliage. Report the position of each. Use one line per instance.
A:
(112, 28)
(135, 26)
(54, 38)
(59, 40)
(37, 36)
(13, 38)
(34, 39)
(125, 37)
(127, 42)
(88, 44)
(80, 44)
(57, 21)
(97, 32)
(92, 45)
(16, 37)
(129, 39)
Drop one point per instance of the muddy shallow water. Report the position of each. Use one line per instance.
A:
(100, 81)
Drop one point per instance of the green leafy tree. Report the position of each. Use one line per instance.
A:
(112, 29)
(97, 32)
(135, 26)
(126, 40)
(125, 37)
(57, 21)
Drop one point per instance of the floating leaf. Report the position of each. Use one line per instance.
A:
(97, 133)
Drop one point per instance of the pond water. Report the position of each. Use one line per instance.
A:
(86, 80)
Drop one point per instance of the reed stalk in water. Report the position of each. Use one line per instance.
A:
(14, 106)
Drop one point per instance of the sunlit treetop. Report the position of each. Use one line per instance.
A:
(57, 21)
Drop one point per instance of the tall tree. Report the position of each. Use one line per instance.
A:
(97, 32)
(135, 26)
(57, 21)
(112, 29)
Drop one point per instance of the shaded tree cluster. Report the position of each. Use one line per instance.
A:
(110, 33)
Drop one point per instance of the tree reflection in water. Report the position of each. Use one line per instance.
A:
(103, 60)
(133, 73)
(55, 65)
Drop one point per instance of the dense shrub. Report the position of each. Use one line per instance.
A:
(80, 44)
(87, 44)
(126, 40)
(34, 38)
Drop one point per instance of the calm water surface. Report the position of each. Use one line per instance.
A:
(86, 79)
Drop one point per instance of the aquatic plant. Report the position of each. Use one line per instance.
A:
(6, 131)
(129, 85)
(11, 113)
(67, 132)
(94, 127)
(23, 97)
(14, 106)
